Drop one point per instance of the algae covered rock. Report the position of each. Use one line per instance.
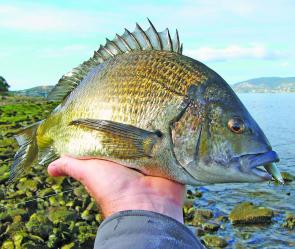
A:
(61, 214)
(213, 241)
(201, 216)
(10, 213)
(69, 246)
(27, 184)
(289, 221)
(247, 213)
(39, 224)
(8, 244)
(206, 213)
(4, 173)
(210, 226)
(288, 177)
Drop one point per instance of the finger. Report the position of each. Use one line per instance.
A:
(67, 166)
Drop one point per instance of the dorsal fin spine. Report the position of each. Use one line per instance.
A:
(169, 41)
(148, 42)
(177, 42)
(108, 51)
(114, 45)
(156, 34)
(128, 42)
(124, 42)
(134, 38)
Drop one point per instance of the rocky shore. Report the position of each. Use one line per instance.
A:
(38, 211)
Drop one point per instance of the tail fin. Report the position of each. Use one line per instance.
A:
(27, 153)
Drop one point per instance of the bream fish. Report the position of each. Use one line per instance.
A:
(141, 103)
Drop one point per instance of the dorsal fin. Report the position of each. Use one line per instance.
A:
(139, 39)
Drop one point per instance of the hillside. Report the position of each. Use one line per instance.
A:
(266, 85)
(38, 91)
(257, 85)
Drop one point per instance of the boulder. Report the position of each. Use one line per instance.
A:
(247, 213)
(289, 221)
(288, 177)
(62, 215)
(39, 224)
(210, 227)
(214, 241)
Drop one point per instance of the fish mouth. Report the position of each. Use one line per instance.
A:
(263, 165)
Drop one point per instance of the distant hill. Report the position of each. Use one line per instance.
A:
(266, 85)
(38, 91)
(257, 85)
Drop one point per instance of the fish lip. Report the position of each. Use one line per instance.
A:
(263, 158)
(251, 162)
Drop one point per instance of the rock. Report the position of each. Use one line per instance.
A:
(198, 220)
(198, 193)
(188, 210)
(214, 241)
(206, 213)
(221, 218)
(201, 216)
(45, 192)
(193, 194)
(17, 239)
(189, 192)
(53, 200)
(61, 214)
(80, 192)
(69, 246)
(39, 224)
(53, 241)
(86, 234)
(289, 221)
(86, 215)
(210, 226)
(21, 237)
(8, 244)
(32, 245)
(10, 213)
(25, 184)
(247, 213)
(288, 177)
(98, 218)
(199, 232)
(4, 177)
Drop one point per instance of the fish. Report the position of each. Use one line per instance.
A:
(138, 101)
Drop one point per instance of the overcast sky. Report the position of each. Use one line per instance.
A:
(42, 40)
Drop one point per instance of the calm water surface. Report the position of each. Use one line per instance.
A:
(275, 113)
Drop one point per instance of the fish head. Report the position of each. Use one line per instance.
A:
(231, 147)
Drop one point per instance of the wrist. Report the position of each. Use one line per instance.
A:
(161, 198)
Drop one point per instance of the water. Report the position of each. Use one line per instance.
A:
(275, 113)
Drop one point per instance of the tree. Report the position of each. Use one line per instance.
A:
(3, 85)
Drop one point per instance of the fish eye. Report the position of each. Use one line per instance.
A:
(236, 125)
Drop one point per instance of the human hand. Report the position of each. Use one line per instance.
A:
(117, 188)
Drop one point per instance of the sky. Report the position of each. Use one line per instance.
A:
(42, 40)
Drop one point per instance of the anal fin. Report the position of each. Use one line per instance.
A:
(122, 140)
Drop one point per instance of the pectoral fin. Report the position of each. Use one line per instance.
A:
(122, 140)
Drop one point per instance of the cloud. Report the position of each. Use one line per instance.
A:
(235, 52)
(36, 18)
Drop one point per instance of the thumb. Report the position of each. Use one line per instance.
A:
(67, 166)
